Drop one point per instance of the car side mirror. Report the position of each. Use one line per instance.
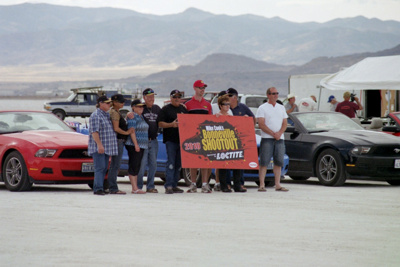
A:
(390, 129)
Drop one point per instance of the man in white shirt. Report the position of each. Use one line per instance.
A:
(272, 120)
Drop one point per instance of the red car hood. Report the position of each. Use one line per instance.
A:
(52, 138)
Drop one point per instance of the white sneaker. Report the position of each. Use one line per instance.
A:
(206, 189)
(192, 188)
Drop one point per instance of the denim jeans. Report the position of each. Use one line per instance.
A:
(100, 162)
(114, 167)
(149, 162)
(173, 167)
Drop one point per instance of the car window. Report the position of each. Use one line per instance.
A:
(255, 101)
(26, 121)
(316, 122)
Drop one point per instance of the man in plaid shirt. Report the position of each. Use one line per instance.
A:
(102, 142)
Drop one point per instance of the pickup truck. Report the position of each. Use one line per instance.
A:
(82, 102)
(252, 101)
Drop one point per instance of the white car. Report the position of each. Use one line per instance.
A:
(252, 101)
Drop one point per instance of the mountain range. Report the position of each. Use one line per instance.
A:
(32, 34)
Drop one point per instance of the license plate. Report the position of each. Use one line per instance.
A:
(87, 167)
(397, 163)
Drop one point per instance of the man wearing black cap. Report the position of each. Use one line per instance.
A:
(149, 160)
(102, 142)
(167, 119)
(121, 129)
(198, 105)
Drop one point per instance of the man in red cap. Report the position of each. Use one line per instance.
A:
(198, 105)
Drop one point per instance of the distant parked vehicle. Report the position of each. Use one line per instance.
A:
(252, 101)
(82, 102)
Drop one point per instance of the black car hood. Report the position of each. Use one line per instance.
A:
(362, 137)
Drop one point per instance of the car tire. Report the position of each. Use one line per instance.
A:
(299, 178)
(15, 173)
(394, 182)
(330, 168)
(59, 113)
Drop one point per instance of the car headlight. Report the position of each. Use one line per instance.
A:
(358, 150)
(45, 153)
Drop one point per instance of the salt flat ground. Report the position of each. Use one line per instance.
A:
(312, 225)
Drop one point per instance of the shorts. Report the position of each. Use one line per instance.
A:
(135, 158)
(272, 148)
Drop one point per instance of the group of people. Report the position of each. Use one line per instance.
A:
(347, 106)
(109, 133)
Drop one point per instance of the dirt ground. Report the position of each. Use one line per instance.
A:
(311, 225)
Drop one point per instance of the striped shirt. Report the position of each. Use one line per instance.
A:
(141, 130)
(100, 122)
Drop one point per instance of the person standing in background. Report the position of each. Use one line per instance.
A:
(347, 107)
(333, 103)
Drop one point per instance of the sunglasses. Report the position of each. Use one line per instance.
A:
(225, 104)
(230, 95)
(274, 93)
(201, 88)
(177, 96)
(108, 103)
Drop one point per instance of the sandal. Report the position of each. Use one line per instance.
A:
(139, 191)
(119, 192)
(282, 189)
(262, 189)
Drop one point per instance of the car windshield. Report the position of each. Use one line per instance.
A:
(11, 122)
(329, 121)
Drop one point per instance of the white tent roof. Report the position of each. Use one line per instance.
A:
(369, 73)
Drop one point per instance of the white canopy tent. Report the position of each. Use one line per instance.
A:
(371, 73)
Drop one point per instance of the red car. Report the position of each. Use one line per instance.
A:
(37, 147)
(393, 127)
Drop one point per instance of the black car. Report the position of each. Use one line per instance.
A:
(333, 147)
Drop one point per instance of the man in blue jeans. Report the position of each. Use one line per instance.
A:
(149, 160)
(102, 142)
(167, 119)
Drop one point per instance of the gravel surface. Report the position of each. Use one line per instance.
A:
(311, 225)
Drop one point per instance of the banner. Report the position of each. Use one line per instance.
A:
(226, 142)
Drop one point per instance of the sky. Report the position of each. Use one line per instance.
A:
(292, 10)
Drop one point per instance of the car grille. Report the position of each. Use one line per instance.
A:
(77, 174)
(387, 151)
(74, 154)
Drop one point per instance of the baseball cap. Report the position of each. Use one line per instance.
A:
(103, 99)
(199, 83)
(148, 91)
(232, 91)
(136, 103)
(175, 92)
(289, 96)
(331, 98)
(222, 93)
(118, 97)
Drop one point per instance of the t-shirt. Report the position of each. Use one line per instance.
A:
(307, 104)
(289, 106)
(274, 116)
(198, 107)
(141, 131)
(150, 116)
(241, 110)
(347, 108)
(168, 114)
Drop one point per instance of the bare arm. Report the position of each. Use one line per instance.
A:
(360, 107)
(119, 130)
(163, 124)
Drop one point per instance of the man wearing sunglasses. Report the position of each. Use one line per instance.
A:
(198, 105)
(167, 119)
(102, 142)
(272, 120)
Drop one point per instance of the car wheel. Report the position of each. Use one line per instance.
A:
(59, 113)
(330, 168)
(270, 183)
(394, 182)
(15, 173)
(299, 178)
(185, 174)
